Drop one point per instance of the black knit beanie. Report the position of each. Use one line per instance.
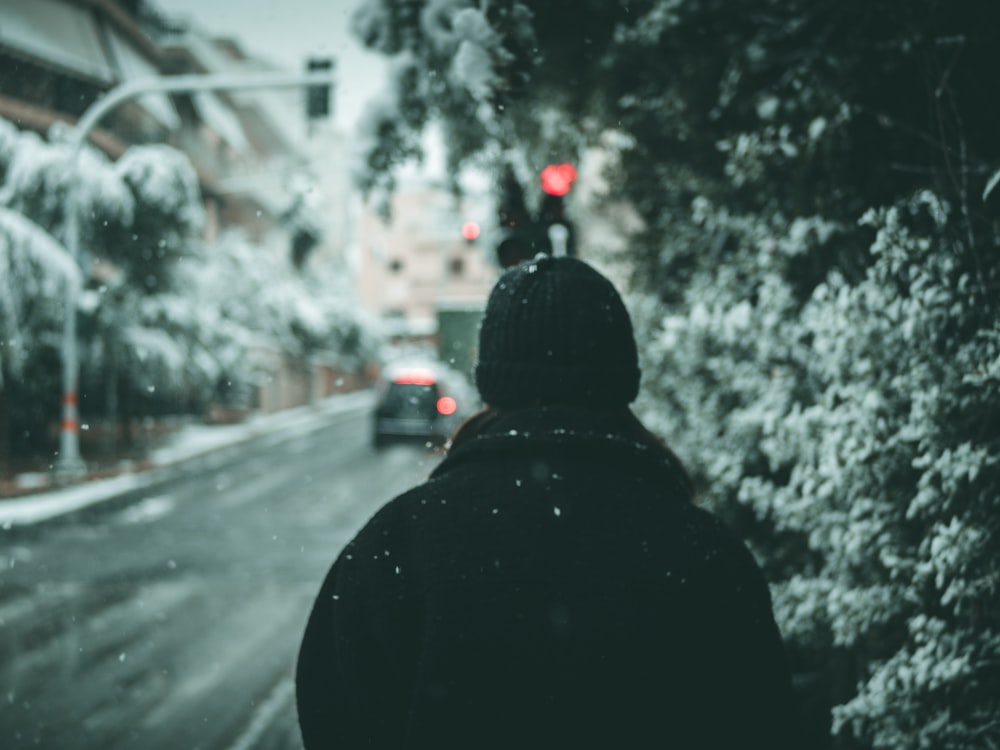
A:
(555, 331)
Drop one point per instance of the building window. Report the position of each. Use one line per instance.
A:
(456, 266)
(395, 265)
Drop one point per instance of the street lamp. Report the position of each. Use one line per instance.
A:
(69, 464)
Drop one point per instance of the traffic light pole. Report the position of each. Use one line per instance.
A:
(559, 239)
(70, 465)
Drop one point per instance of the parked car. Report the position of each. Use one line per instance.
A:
(420, 403)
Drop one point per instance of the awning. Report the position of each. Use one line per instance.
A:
(56, 33)
(221, 119)
(134, 67)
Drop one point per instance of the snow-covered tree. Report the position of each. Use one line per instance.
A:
(35, 272)
(262, 303)
(302, 222)
(146, 344)
(165, 321)
(167, 214)
(43, 180)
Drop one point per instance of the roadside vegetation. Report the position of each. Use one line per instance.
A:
(815, 272)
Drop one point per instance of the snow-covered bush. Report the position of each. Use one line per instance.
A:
(898, 491)
(855, 441)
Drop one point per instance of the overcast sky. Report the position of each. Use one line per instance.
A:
(288, 32)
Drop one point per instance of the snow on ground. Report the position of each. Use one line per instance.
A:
(186, 443)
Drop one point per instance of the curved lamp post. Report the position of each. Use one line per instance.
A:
(69, 464)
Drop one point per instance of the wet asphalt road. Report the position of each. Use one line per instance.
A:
(170, 619)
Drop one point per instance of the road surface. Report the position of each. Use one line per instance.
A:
(171, 618)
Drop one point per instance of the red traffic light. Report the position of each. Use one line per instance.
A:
(557, 179)
(470, 230)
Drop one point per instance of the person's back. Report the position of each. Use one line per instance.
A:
(551, 585)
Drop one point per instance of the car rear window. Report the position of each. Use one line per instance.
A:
(414, 399)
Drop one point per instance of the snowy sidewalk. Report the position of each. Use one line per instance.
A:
(187, 443)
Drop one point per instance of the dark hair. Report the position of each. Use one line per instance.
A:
(478, 423)
(472, 426)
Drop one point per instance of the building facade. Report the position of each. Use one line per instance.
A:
(416, 266)
(252, 151)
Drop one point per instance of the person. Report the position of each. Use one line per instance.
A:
(552, 584)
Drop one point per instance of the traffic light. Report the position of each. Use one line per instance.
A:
(523, 236)
(318, 97)
(557, 180)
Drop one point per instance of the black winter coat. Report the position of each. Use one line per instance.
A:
(549, 587)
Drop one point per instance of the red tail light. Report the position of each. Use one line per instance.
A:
(415, 377)
(446, 405)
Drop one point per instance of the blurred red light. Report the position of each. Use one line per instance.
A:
(415, 377)
(446, 405)
(557, 179)
(470, 230)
